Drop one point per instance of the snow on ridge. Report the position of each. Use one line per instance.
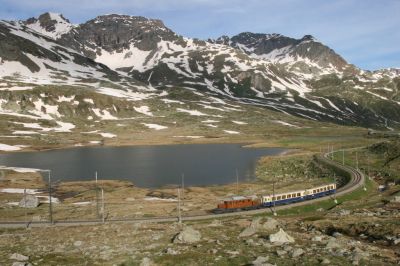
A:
(107, 135)
(16, 88)
(239, 122)
(127, 94)
(285, 123)
(6, 147)
(191, 112)
(172, 101)
(103, 114)
(143, 110)
(190, 137)
(154, 126)
(231, 132)
(20, 169)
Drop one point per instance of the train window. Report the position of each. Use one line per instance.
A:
(284, 197)
(279, 197)
(289, 196)
(298, 194)
(293, 195)
(274, 198)
(314, 191)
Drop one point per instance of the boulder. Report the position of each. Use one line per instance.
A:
(317, 239)
(344, 212)
(78, 243)
(297, 252)
(216, 223)
(187, 235)
(171, 251)
(281, 253)
(249, 231)
(281, 237)
(270, 224)
(326, 262)
(29, 201)
(19, 257)
(396, 199)
(332, 244)
(147, 262)
(260, 261)
(21, 263)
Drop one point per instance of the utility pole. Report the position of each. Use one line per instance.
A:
(97, 198)
(334, 195)
(50, 203)
(343, 156)
(237, 182)
(183, 188)
(102, 205)
(357, 160)
(273, 198)
(26, 215)
(179, 206)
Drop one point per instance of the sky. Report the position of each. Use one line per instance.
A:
(365, 32)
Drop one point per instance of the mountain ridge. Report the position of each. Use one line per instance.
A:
(301, 77)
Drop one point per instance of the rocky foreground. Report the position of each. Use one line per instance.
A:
(339, 237)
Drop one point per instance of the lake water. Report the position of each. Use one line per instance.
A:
(148, 166)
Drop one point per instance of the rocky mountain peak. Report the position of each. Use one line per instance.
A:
(308, 38)
(52, 25)
(115, 33)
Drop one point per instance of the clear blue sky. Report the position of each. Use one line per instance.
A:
(365, 32)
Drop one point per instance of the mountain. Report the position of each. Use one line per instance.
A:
(296, 77)
(49, 24)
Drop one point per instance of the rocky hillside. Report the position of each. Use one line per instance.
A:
(300, 77)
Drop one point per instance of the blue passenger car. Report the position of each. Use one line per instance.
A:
(296, 196)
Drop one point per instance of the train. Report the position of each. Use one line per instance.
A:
(243, 203)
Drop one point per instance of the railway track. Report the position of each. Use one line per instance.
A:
(356, 181)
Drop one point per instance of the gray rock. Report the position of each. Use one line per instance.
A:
(281, 253)
(29, 201)
(297, 252)
(249, 231)
(260, 261)
(171, 251)
(317, 239)
(397, 241)
(281, 237)
(187, 235)
(213, 251)
(344, 212)
(336, 234)
(287, 248)
(147, 262)
(78, 243)
(270, 224)
(332, 244)
(19, 257)
(396, 199)
(21, 263)
(216, 223)
(325, 262)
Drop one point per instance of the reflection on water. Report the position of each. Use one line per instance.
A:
(148, 166)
